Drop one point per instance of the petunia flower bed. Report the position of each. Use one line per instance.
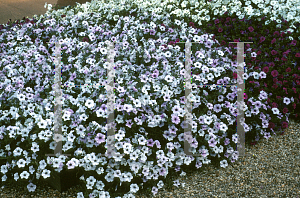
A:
(149, 92)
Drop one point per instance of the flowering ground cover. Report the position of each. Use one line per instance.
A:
(149, 89)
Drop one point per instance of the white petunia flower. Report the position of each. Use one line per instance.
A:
(286, 100)
(223, 163)
(275, 110)
(21, 163)
(24, 175)
(16, 176)
(31, 187)
(134, 188)
(35, 147)
(46, 173)
(21, 97)
(42, 124)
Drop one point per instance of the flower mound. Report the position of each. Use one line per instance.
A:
(149, 91)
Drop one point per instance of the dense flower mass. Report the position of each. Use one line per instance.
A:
(149, 86)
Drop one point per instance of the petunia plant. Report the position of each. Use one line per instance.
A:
(149, 64)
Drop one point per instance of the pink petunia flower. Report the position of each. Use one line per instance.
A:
(262, 39)
(273, 41)
(266, 69)
(273, 52)
(274, 73)
(294, 42)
